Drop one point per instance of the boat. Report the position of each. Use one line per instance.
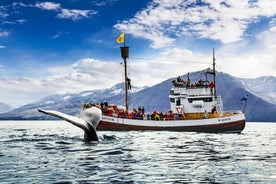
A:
(195, 107)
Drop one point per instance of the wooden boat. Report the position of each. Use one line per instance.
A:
(195, 108)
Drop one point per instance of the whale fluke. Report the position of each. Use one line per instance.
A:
(87, 121)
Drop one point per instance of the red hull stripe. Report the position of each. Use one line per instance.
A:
(236, 126)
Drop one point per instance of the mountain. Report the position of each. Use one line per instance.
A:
(69, 103)
(4, 107)
(260, 107)
(263, 87)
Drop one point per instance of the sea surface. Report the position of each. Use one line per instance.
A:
(55, 152)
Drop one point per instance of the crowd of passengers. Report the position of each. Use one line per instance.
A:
(139, 113)
(198, 84)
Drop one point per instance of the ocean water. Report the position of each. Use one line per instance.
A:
(55, 152)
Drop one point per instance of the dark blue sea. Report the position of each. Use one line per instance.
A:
(55, 152)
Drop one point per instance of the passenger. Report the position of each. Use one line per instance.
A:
(144, 117)
(115, 114)
(188, 80)
(205, 115)
(148, 116)
(128, 83)
(171, 116)
(105, 104)
(174, 82)
(105, 112)
(143, 110)
(166, 116)
(161, 116)
(157, 117)
(214, 109)
(154, 113)
(179, 82)
(97, 105)
(206, 84)
(110, 112)
(137, 115)
(200, 83)
(152, 116)
(130, 115)
(120, 114)
(124, 114)
(212, 86)
(83, 106)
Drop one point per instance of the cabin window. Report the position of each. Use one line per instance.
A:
(209, 99)
(171, 92)
(172, 100)
(178, 102)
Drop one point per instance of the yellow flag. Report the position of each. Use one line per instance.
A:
(121, 38)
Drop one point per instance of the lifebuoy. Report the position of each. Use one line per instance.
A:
(179, 109)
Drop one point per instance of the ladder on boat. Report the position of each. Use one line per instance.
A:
(219, 104)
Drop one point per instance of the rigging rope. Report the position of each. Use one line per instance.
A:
(149, 59)
(235, 99)
(102, 84)
(128, 75)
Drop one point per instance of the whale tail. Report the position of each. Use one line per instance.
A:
(88, 125)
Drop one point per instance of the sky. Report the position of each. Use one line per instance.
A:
(69, 46)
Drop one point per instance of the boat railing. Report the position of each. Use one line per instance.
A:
(230, 113)
(197, 91)
(219, 104)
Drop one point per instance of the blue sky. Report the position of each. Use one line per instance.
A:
(49, 47)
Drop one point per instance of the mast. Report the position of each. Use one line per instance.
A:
(124, 55)
(214, 73)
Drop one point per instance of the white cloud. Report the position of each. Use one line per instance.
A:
(163, 21)
(19, 4)
(3, 14)
(48, 6)
(89, 73)
(85, 74)
(239, 57)
(75, 14)
(104, 2)
(257, 60)
(63, 13)
(4, 34)
(59, 34)
(2, 46)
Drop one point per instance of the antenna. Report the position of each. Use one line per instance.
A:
(214, 72)
(125, 55)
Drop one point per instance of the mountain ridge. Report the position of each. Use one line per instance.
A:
(231, 89)
(5, 107)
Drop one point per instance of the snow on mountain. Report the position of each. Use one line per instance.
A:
(4, 107)
(263, 87)
(66, 97)
(68, 103)
(86, 93)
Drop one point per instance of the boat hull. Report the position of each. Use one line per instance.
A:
(229, 124)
